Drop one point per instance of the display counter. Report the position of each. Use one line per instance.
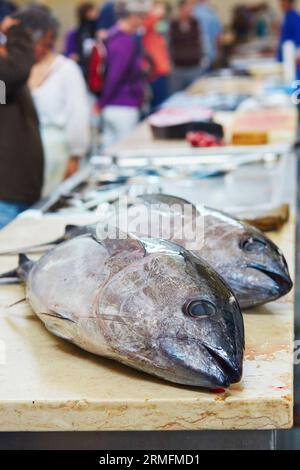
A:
(48, 385)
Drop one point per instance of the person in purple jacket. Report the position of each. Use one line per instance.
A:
(123, 93)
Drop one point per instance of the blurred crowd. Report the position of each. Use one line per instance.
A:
(118, 63)
(134, 54)
(258, 20)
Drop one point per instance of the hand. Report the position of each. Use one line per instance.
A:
(102, 35)
(7, 23)
(97, 108)
(73, 167)
(3, 52)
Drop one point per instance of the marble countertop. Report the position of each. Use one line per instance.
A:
(47, 384)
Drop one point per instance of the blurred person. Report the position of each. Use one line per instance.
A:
(268, 15)
(241, 23)
(24, 38)
(156, 48)
(290, 30)
(226, 47)
(123, 92)
(210, 28)
(60, 96)
(262, 20)
(107, 18)
(185, 46)
(6, 9)
(80, 41)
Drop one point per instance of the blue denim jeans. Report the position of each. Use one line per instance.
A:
(160, 91)
(10, 210)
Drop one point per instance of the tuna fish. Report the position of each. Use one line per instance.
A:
(249, 262)
(148, 304)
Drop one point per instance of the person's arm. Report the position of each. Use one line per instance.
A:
(150, 23)
(77, 114)
(218, 31)
(71, 49)
(285, 35)
(16, 63)
(73, 167)
(118, 68)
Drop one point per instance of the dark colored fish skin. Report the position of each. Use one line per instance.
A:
(148, 304)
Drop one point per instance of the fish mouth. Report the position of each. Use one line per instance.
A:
(282, 282)
(201, 365)
(231, 369)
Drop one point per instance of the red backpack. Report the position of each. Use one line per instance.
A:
(97, 68)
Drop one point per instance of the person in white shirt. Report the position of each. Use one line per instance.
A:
(61, 100)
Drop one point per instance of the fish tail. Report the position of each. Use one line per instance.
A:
(20, 274)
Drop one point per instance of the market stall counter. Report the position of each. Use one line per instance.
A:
(51, 388)
(50, 385)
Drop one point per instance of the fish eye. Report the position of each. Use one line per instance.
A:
(253, 245)
(199, 309)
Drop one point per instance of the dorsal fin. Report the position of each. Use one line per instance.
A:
(73, 231)
(166, 200)
(155, 245)
(117, 242)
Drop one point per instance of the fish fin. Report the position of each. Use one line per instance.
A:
(10, 277)
(18, 275)
(58, 316)
(158, 245)
(17, 303)
(74, 231)
(70, 228)
(71, 232)
(25, 266)
(117, 242)
(166, 199)
(59, 324)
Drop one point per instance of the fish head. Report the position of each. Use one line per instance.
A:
(265, 265)
(252, 263)
(171, 315)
